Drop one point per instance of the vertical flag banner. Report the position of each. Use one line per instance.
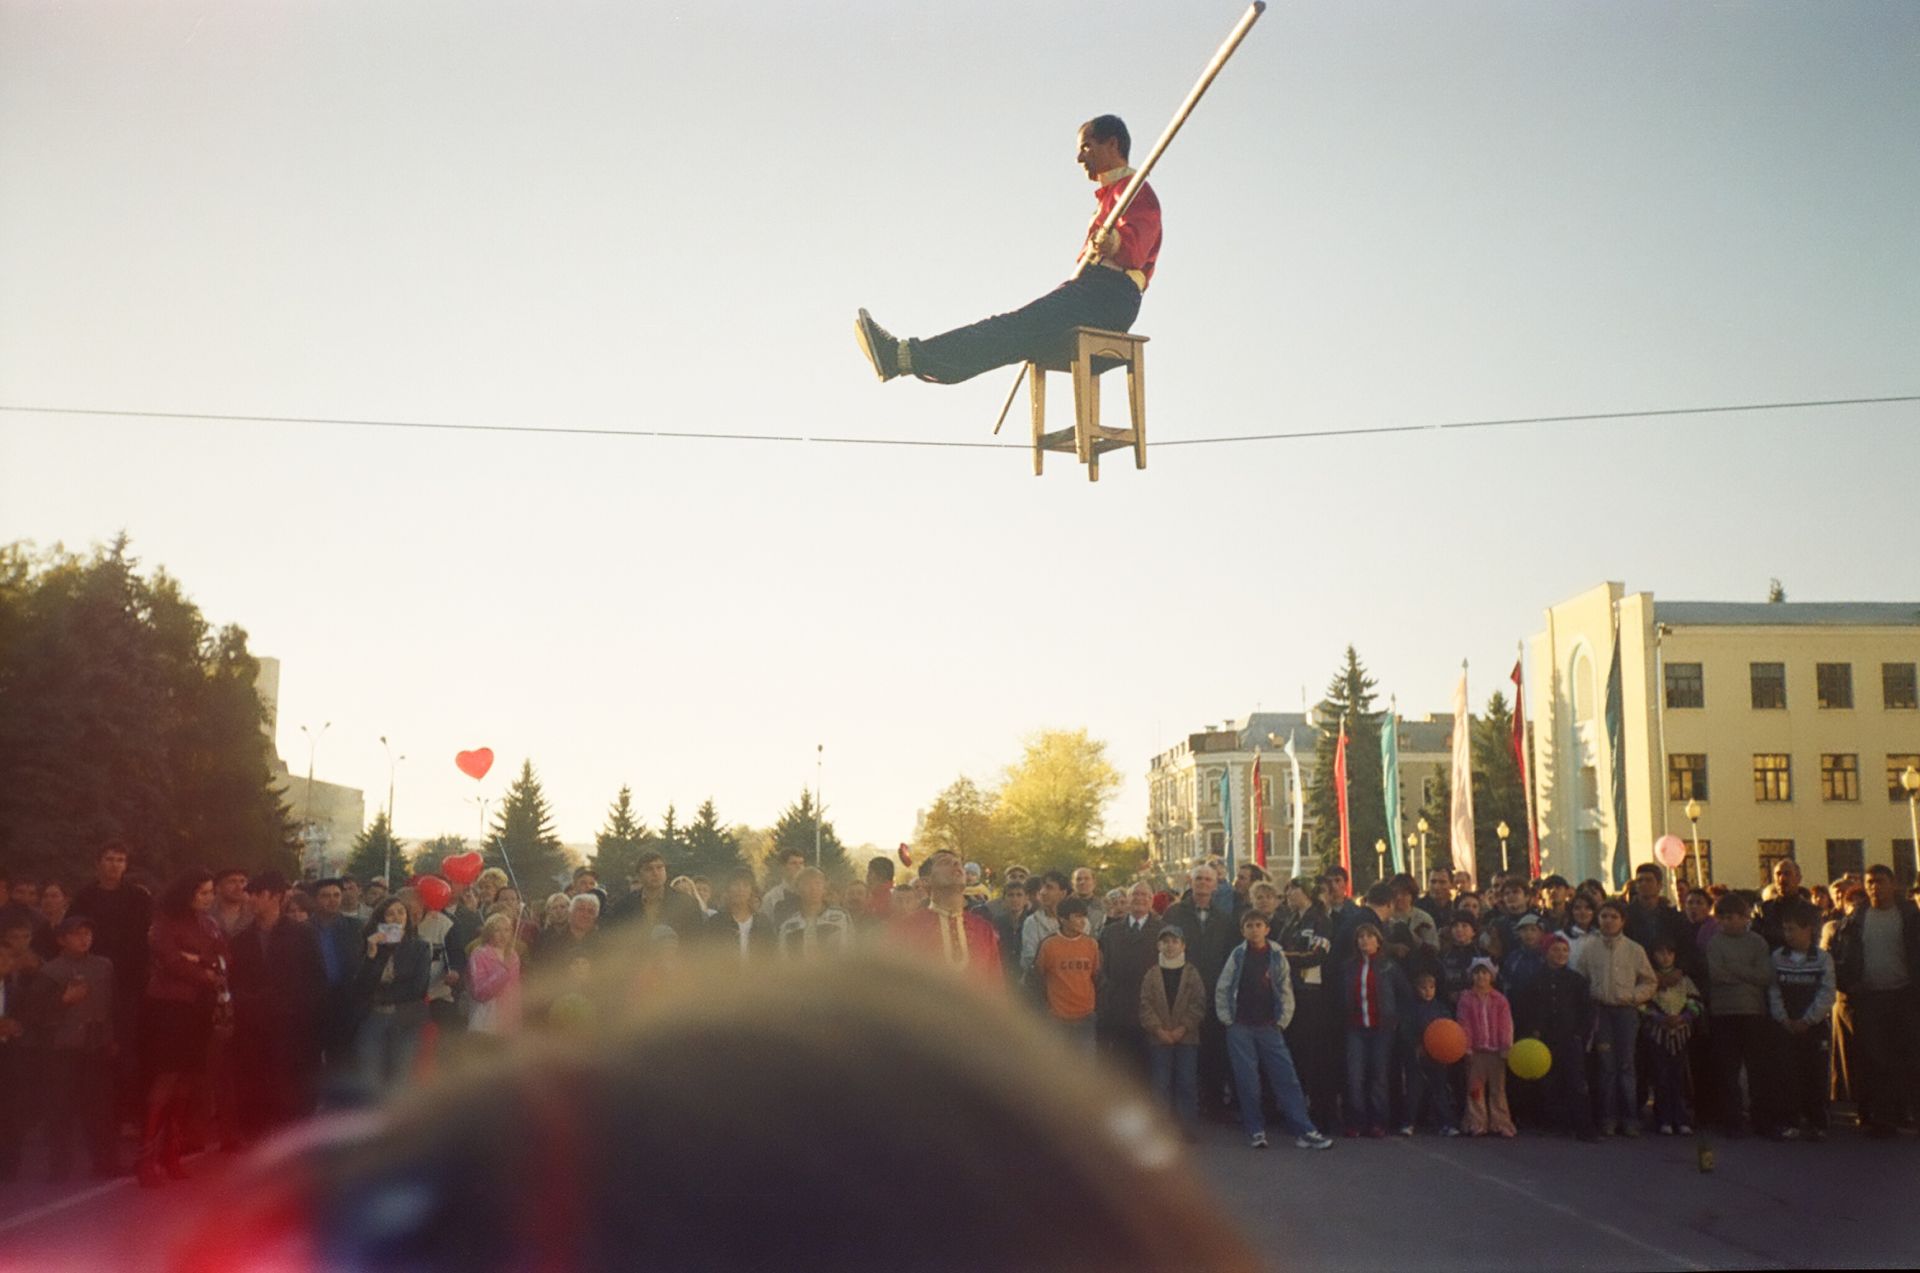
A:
(1617, 767)
(1460, 832)
(1340, 793)
(1258, 820)
(1226, 816)
(1390, 781)
(1526, 773)
(1298, 808)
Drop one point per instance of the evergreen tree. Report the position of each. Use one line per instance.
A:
(795, 830)
(523, 840)
(125, 715)
(428, 853)
(1350, 696)
(1437, 809)
(672, 842)
(712, 850)
(619, 844)
(1499, 795)
(376, 852)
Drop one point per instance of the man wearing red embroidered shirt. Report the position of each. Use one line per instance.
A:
(1106, 294)
(947, 929)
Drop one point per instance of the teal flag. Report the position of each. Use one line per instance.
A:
(1226, 815)
(1390, 782)
(1616, 716)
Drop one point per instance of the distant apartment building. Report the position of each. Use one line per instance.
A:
(329, 816)
(1788, 723)
(1186, 820)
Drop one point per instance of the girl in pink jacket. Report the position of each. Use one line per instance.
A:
(1484, 1014)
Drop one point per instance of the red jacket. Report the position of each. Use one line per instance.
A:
(1139, 227)
(920, 931)
(186, 952)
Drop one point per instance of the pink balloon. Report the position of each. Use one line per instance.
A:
(1671, 850)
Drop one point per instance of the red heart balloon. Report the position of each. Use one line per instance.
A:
(434, 892)
(474, 764)
(461, 869)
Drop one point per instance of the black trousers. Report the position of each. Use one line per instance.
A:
(1039, 329)
(1745, 1042)
(1887, 1047)
(1804, 1065)
(79, 1105)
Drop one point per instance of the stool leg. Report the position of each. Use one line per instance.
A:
(1137, 402)
(1037, 392)
(1086, 406)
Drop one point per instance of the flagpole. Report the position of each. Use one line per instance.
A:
(1526, 755)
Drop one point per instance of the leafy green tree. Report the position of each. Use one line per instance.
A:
(963, 819)
(375, 851)
(619, 844)
(1350, 696)
(428, 853)
(1118, 863)
(523, 839)
(1052, 802)
(712, 849)
(125, 715)
(795, 830)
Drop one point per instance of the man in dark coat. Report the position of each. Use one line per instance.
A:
(1876, 965)
(279, 982)
(1129, 949)
(1206, 917)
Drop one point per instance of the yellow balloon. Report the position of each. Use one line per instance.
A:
(1529, 1059)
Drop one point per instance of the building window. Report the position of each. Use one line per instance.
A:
(1903, 864)
(1833, 682)
(1685, 688)
(1772, 778)
(1897, 686)
(1897, 763)
(1839, 777)
(1772, 851)
(1846, 857)
(1216, 842)
(1686, 777)
(1266, 791)
(1769, 685)
(1706, 864)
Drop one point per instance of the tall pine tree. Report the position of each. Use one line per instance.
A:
(376, 852)
(672, 841)
(795, 830)
(712, 850)
(619, 844)
(1350, 696)
(523, 837)
(427, 854)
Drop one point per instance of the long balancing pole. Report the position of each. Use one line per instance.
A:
(1139, 177)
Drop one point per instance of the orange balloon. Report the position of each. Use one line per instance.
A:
(1445, 1041)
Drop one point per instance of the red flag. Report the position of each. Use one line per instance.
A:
(1340, 792)
(1519, 741)
(1260, 817)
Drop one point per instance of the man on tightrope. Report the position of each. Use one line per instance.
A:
(1105, 295)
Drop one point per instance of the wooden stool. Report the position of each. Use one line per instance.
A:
(1091, 352)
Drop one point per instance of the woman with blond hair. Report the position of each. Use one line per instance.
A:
(494, 977)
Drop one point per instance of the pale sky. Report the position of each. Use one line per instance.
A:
(644, 216)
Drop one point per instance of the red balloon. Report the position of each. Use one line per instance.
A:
(435, 892)
(461, 869)
(474, 764)
(1445, 1041)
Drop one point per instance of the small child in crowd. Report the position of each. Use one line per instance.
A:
(1457, 954)
(1173, 1003)
(1488, 1020)
(1801, 1002)
(1429, 1085)
(70, 1006)
(1668, 1021)
(1068, 964)
(1740, 967)
(1376, 993)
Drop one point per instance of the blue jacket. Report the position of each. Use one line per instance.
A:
(1226, 993)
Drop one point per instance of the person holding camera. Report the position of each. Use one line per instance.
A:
(391, 986)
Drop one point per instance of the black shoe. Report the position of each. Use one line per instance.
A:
(879, 345)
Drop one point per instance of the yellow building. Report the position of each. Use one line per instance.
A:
(1788, 723)
(1187, 822)
(329, 816)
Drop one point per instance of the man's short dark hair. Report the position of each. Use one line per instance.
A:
(332, 881)
(72, 924)
(1650, 868)
(1255, 915)
(1010, 886)
(1335, 873)
(1057, 878)
(1110, 128)
(792, 852)
(1464, 917)
(1380, 895)
(226, 873)
(1555, 881)
(1800, 913)
(114, 846)
(648, 858)
(1731, 904)
(880, 868)
(1880, 868)
(1072, 906)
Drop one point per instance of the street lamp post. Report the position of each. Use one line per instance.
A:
(1911, 781)
(1380, 849)
(819, 814)
(313, 745)
(1503, 831)
(392, 761)
(1426, 849)
(1693, 820)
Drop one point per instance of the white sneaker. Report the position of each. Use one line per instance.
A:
(1258, 1140)
(1312, 1140)
(1666, 1129)
(1684, 1130)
